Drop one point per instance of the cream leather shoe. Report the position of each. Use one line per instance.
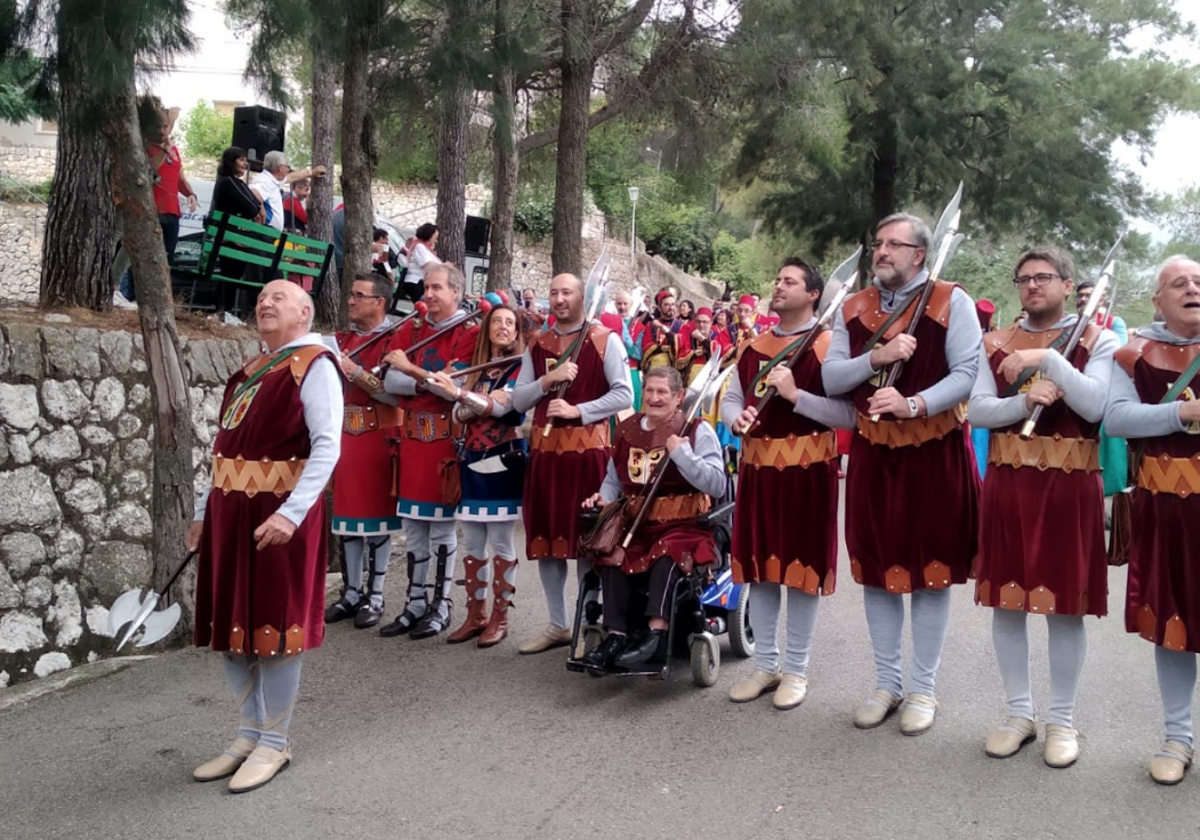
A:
(753, 687)
(876, 709)
(226, 764)
(1168, 765)
(551, 637)
(791, 692)
(919, 713)
(1062, 746)
(1007, 739)
(260, 767)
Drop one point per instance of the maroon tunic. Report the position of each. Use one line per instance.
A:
(1162, 600)
(670, 528)
(427, 454)
(363, 501)
(785, 522)
(1041, 536)
(912, 489)
(269, 602)
(569, 465)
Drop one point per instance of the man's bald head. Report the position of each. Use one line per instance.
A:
(624, 303)
(1177, 265)
(566, 299)
(566, 278)
(284, 313)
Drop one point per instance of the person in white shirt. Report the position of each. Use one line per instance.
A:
(421, 254)
(268, 185)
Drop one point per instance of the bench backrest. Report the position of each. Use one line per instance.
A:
(279, 252)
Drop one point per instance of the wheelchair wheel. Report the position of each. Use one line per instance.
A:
(741, 634)
(706, 660)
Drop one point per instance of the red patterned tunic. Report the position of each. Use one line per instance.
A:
(363, 501)
(568, 465)
(912, 491)
(1041, 539)
(785, 522)
(1162, 600)
(426, 450)
(270, 602)
(670, 528)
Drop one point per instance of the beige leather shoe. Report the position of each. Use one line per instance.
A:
(791, 692)
(551, 637)
(1168, 765)
(1062, 746)
(226, 764)
(876, 709)
(919, 713)
(753, 687)
(1007, 739)
(260, 767)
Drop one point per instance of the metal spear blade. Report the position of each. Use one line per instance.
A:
(948, 214)
(712, 393)
(695, 392)
(841, 278)
(159, 625)
(124, 610)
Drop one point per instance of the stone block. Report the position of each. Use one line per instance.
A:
(22, 551)
(97, 621)
(87, 496)
(19, 449)
(109, 398)
(27, 499)
(68, 550)
(97, 436)
(21, 631)
(68, 615)
(87, 353)
(60, 352)
(25, 342)
(19, 406)
(128, 425)
(64, 401)
(59, 446)
(38, 592)
(114, 567)
(117, 346)
(10, 594)
(131, 520)
(51, 663)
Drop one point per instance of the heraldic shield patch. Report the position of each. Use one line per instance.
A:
(236, 410)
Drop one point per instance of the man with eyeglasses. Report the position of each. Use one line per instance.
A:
(1027, 562)
(912, 490)
(1153, 399)
(364, 508)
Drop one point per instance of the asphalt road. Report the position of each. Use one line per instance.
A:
(395, 738)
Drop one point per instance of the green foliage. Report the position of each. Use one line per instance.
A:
(205, 132)
(21, 193)
(862, 106)
(534, 215)
(682, 234)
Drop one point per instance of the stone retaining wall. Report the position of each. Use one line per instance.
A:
(75, 472)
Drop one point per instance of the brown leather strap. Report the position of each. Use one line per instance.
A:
(791, 451)
(1044, 453)
(253, 477)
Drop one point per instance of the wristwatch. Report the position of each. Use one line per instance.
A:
(912, 407)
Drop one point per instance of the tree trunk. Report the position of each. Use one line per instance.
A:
(576, 68)
(357, 157)
(77, 250)
(506, 158)
(320, 202)
(452, 171)
(171, 490)
(885, 166)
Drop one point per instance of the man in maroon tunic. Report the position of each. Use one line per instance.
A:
(785, 524)
(364, 507)
(1154, 400)
(912, 491)
(260, 587)
(669, 542)
(566, 464)
(1029, 562)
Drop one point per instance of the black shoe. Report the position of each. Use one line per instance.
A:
(404, 623)
(435, 620)
(341, 609)
(653, 648)
(368, 615)
(605, 653)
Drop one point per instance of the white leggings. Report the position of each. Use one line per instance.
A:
(1176, 682)
(885, 621)
(1068, 649)
(765, 600)
(554, 583)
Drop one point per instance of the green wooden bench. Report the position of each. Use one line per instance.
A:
(279, 254)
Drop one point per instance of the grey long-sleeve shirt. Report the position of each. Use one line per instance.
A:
(1085, 393)
(619, 397)
(321, 396)
(842, 373)
(1126, 416)
(828, 411)
(703, 466)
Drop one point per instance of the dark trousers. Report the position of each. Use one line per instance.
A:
(619, 588)
(170, 235)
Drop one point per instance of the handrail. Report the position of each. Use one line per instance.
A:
(5, 177)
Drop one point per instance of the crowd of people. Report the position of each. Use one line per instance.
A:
(477, 419)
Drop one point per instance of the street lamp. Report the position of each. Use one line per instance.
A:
(633, 197)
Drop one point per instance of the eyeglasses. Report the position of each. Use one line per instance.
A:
(1183, 282)
(892, 245)
(361, 296)
(1036, 279)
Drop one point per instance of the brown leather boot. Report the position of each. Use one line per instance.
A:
(497, 626)
(476, 619)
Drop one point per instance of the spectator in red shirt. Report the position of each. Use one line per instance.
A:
(295, 212)
(169, 184)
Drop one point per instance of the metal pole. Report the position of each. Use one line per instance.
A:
(633, 242)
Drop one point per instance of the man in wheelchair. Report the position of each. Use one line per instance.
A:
(670, 541)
